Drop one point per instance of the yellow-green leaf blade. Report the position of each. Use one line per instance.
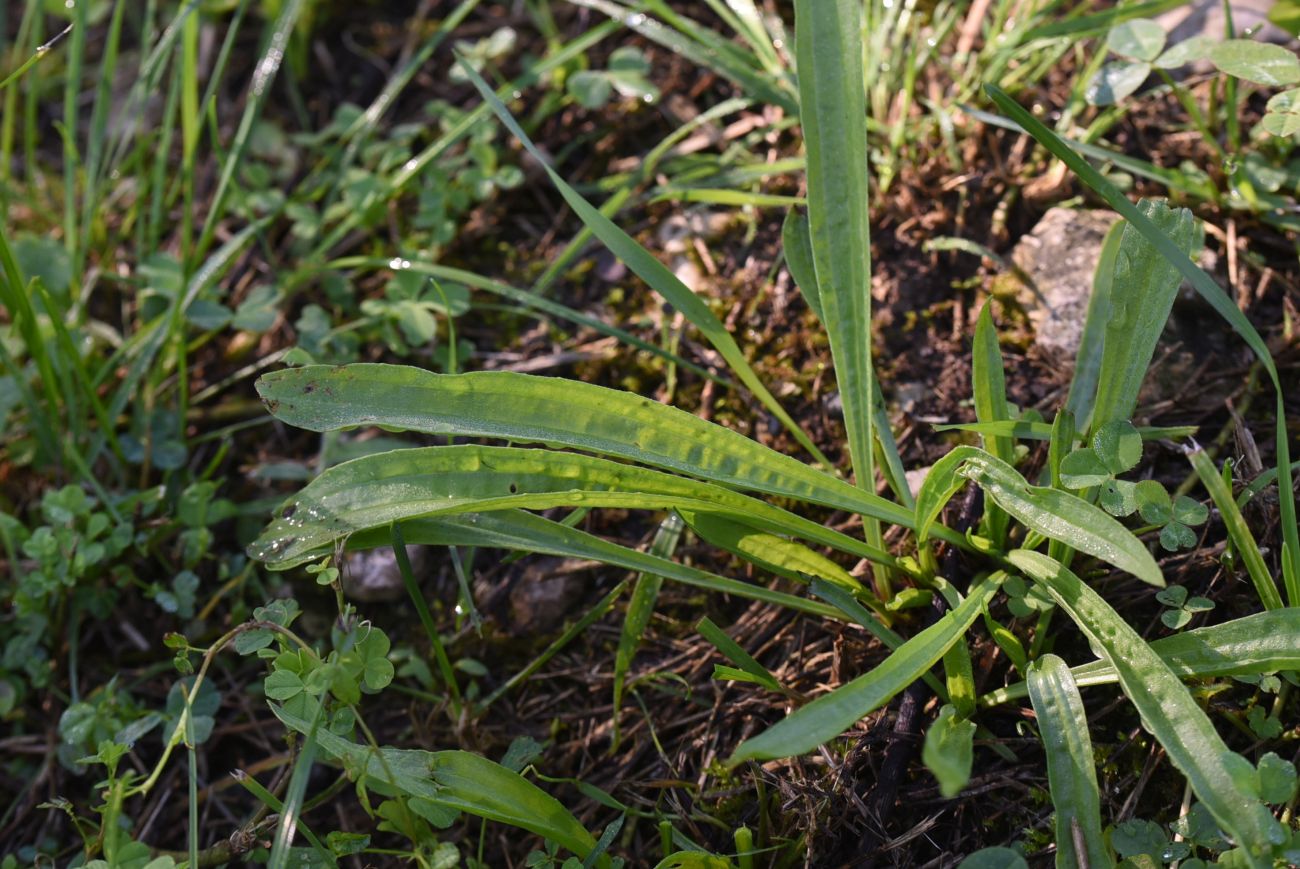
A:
(831, 714)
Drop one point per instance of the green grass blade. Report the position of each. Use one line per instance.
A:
(380, 489)
(831, 714)
(1062, 516)
(645, 594)
(1208, 290)
(288, 822)
(1242, 539)
(268, 64)
(456, 780)
(832, 111)
(597, 612)
(1218, 776)
(526, 532)
(440, 658)
(1071, 766)
(745, 662)
(1042, 431)
(528, 300)
(530, 409)
(654, 273)
(698, 45)
(1087, 361)
(1267, 642)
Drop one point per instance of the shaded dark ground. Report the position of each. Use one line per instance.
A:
(679, 728)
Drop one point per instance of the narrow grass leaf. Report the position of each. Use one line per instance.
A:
(653, 272)
(525, 532)
(529, 300)
(847, 604)
(645, 594)
(748, 666)
(1071, 766)
(1242, 538)
(1219, 777)
(268, 64)
(831, 714)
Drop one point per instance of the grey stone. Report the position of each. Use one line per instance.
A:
(1060, 256)
(372, 576)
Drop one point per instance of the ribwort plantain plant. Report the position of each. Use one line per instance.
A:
(609, 449)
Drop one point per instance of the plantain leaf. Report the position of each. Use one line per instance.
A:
(380, 489)
(1062, 516)
(1141, 296)
(833, 114)
(456, 780)
(530, 409)
(988, 383)
(1071, 767)
(831, 714)
(941, 483)
(1220, 778)
(1087, 361)
(1267, 642)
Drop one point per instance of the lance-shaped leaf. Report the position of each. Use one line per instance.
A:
(380, 489)
(833, 114)
(831, 714)
(1142, 293)
(1071, 767)
(1062, 516)
(456, 780)
(1267, 642)
(525, 408)
(1224, 781)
